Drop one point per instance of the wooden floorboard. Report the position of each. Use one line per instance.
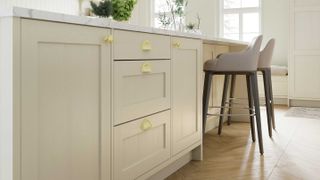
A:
(292, 153)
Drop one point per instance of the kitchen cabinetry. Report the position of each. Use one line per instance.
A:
(86, 99)
(304, 62)
(186, 95)
(65, 102)
(136, 45)
(141, 88)
(141, 145)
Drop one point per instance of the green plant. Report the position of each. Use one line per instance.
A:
(191, 26)
(103, 9)
(180, 6)
(122, 9)
(165, 20)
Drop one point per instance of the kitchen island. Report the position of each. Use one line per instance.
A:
(87, 98)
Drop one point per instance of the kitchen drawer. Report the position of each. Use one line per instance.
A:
(141, 88)
(141, 145)
(135, 45)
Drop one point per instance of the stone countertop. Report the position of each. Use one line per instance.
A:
(107, 23)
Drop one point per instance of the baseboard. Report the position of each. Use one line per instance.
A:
(164, 173)
(304, 103)
(276, 101)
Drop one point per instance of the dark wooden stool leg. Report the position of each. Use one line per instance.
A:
(231, 96)
(223, 101)
(268, 72)
(254, 81)
(205, 99)
(267, 99)
(250, 104)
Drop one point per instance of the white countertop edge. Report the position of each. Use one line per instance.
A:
(106, 23)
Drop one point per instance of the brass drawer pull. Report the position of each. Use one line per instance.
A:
(146, 45)
(108, 39)
(146, 68)
(145, 125)
(177, 44)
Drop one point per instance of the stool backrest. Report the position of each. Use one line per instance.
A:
(243, 61)
(266, 55)
(253, 50)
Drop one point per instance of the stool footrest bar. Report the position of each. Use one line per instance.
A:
(227, 107)
(230, 115)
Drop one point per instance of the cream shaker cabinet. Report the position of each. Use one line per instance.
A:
(304, 59)
(90, 103)
(140, 88)
(141, 145)
(137, 45)
(186, 92)
(65, 102)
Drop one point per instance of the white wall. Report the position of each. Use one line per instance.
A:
(142, 13)
(208, 11)
(275, 18)
(62, 6)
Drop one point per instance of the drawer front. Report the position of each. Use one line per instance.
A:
(135, 45)
(141, 88)
(141, 145)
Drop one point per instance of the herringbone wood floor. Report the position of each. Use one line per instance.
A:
(293, 153)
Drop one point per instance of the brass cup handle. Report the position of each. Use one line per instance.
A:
(177, 44)
(145, 125)
(146, 67)
(146, 45)
(108, 39)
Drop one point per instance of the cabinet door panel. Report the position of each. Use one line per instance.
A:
(138, 150)
(136, 45)
(306, 83)
(307, 38)
(186, 123)
(65, 93)
(138, 93)
(306, 3)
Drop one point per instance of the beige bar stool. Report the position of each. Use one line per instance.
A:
(238, 63)
(264, 66)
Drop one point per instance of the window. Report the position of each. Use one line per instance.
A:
(159, 6)
(163, 8)
(240, 19)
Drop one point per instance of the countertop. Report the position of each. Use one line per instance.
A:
(107, 23)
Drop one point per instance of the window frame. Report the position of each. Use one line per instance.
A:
(239, 11)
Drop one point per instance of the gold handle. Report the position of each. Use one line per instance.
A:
(146, 45)
(177, 44)
(146, 68)
(145, 125)
(108, 39)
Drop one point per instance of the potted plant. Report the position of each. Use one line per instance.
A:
(122, 9)
(102, 9)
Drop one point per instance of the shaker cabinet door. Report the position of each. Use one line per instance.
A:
(186, 93)
(141, 145)
(65, 108)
